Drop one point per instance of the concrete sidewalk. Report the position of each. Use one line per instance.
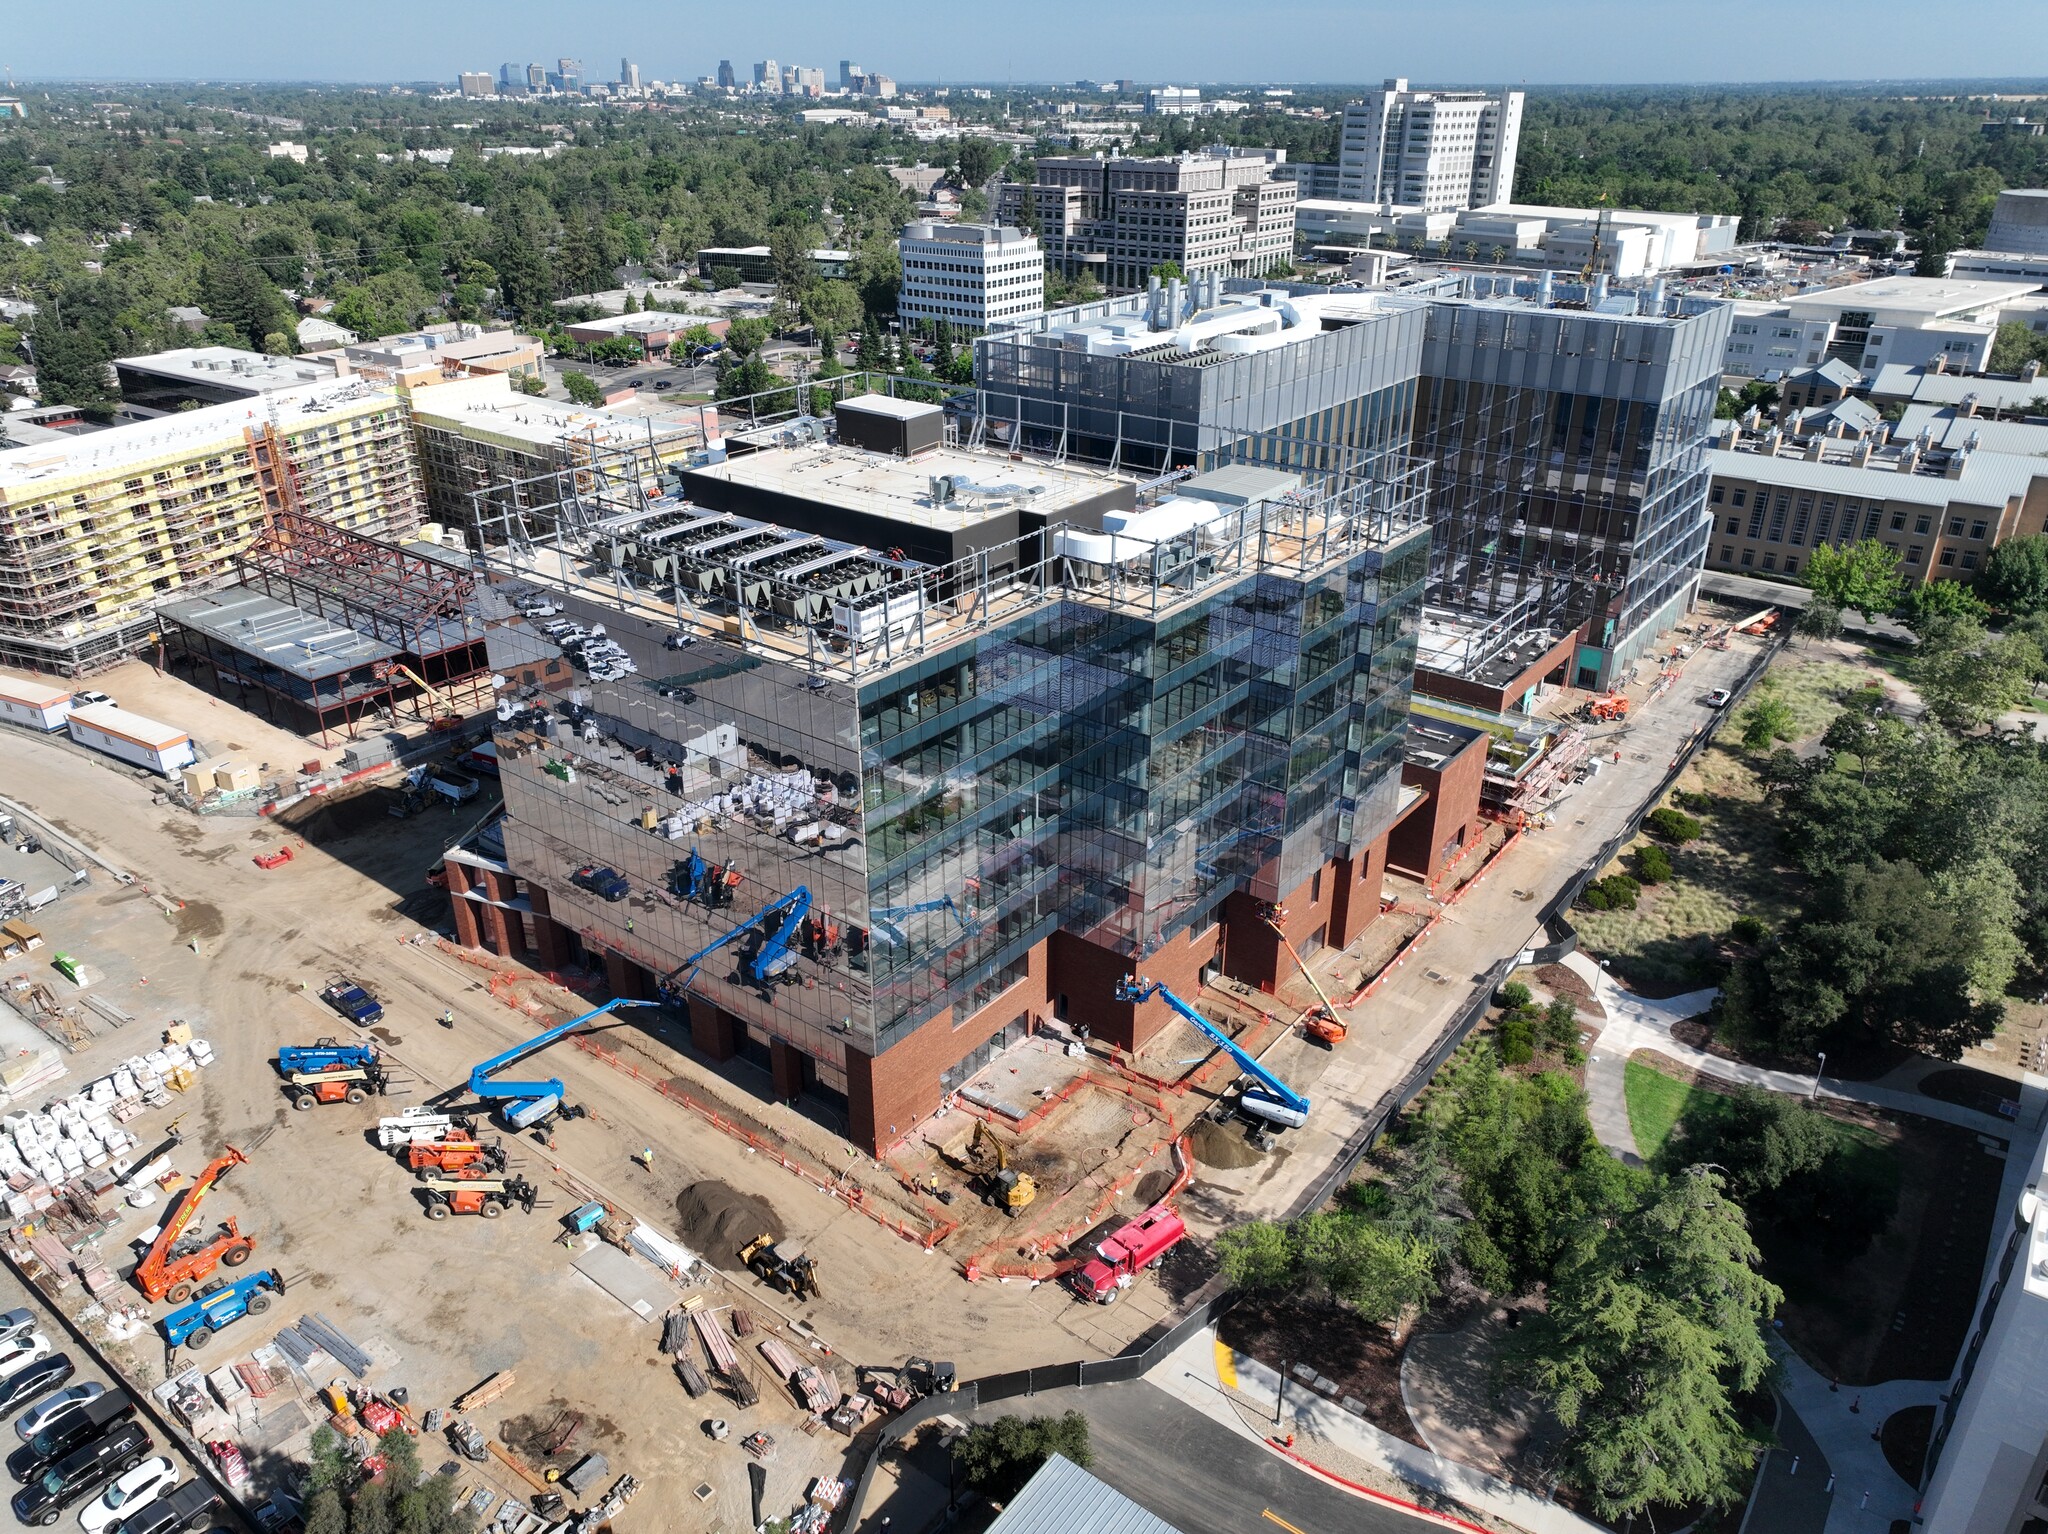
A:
(1869, 1494)
(1230, 1386)
(1636, 1022)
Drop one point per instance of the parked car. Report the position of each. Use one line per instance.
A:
(1719, 697)
(88, 698)
(605, 883)
(189, 1506)
(24, 1385)
(23, 1349)
(59, 1438)
(14, 1322)
(81, 1473)
(136, 1488)
(65, 1401)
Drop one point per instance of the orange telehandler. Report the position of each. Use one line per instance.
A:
(175, 1265)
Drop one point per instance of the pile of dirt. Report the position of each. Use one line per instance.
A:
(716, 1220)
(1221, 1145)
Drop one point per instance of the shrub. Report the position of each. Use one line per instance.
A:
(1653, 864)
(1561, 1022)
(1748, 929)
(1517, 1041)
(1673, 825)
(1514, 996)
(1692, 799)
(1619, 891)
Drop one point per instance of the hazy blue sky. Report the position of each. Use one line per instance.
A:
(1445, 41)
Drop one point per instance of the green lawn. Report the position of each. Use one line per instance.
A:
(1658, 1103)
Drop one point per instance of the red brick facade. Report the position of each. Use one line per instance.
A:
(1067, 976)
(1433, 832)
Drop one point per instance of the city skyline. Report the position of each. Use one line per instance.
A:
(1464, 42)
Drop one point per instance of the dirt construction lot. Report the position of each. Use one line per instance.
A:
(241, 954)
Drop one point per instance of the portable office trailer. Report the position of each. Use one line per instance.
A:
(35, 704)
(132, 738)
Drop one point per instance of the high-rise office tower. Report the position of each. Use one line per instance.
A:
(1430, 149)
(728, 77)
(629, 74)
(768, 77)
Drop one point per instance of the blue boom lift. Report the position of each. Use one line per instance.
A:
(524, 1104)
(1272, 1099)
(886, 922)
(772, 962)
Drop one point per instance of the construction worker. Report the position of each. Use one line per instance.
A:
(646, 1158)
(447, 1017)
(629, 926)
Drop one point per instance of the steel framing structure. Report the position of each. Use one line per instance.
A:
(424, 608)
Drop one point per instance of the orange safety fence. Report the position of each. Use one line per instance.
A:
(1407, 949)
(852, 1195)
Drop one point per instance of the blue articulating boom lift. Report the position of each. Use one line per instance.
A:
(1272, 1099)
(775, 960)
(526, 1104)
(887, 921)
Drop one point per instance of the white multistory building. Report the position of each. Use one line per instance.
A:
(969, 275)
(1430, 149)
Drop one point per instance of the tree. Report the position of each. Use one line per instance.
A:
(72, 367)
(1968, 676)
(582, 388)
(1760, 1140)
(1257, 1255)
(1655, 1322)
(2015, 346)
(1863, 577)
(1168, 271)
(724, 277)
(518, 258)
(980, 158)
(234, 291)
(326, 1513)
(745, 337)
(1819, 619)
(1932, 607)
(532, 383)
(1375, 1272)
(2016, 575)
(999, 1457)
(387, 304)
(1767, 720)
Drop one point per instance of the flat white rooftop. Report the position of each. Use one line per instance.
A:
(1909, 300)
(229, 367)
(489, 404)
(110, 719)
(984, 484)
(211, 427)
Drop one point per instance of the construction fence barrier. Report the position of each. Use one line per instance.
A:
(851, 1195)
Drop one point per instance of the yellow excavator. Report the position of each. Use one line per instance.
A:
(982, 1157)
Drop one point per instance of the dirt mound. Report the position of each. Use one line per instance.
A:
(1221, 1145)
(716, 1220)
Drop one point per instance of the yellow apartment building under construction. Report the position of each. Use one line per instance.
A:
(97, 529)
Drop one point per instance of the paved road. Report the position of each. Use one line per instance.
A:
(1197, 1474)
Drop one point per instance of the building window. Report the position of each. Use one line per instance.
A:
(1734, 525)
(1727, 555)
(1716, 496)
(1969, 559)
(1913, 554)
(1898, 521)
(1920, 525)
(1977, 530)
(1955, 527)
(1749, 556)
(1770, 561)
(1739, 499)
(1948, 556)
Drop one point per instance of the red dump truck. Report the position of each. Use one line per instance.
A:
(1138, 1245)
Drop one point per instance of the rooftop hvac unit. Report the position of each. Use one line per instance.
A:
(866, 622)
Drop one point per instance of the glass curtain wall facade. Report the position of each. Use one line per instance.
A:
(1568, 459)
(1160, 409)
(1112, 761)
(1117, 776)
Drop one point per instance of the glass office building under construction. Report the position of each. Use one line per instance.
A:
(882, 759)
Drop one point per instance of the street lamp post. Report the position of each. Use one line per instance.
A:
(1810, 1096)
